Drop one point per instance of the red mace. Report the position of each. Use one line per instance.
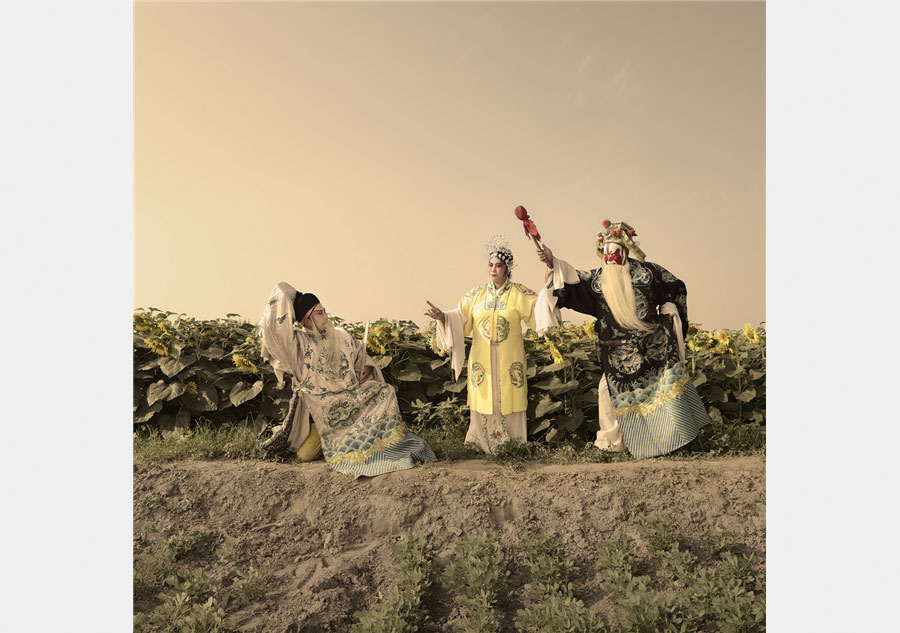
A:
(530, 229)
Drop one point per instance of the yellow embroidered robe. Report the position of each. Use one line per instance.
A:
(496, 317)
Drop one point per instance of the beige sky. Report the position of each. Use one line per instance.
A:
(368, 151)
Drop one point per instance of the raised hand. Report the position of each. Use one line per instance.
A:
(434, 312)
(546, 256)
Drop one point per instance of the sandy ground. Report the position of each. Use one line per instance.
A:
(326, 537)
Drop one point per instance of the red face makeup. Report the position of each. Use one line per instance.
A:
(613, 254)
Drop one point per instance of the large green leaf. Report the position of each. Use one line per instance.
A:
(206, 399)
(547, 383)
(242, 392)
(148, 364)
(455, 387)
(545, 406)
(563, 387)
(174, 390)
(146, 412)
(747, 395)
(409, 374)
(227, 383)
(554, 368)
(213, 351)
(171, 366)
(156, 391)
(716, 394)
(382, 361)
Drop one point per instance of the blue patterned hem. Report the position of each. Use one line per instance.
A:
(406, 453)
(667, 428)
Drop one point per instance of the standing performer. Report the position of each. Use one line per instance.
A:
(492, 313)
(356, 417)
(645, 395)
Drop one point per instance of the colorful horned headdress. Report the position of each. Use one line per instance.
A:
(620, 233)
(499, 247)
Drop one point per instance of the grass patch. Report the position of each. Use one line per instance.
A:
(230, 441)
(444, 427)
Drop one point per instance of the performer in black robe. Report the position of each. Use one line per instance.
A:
(646, 398)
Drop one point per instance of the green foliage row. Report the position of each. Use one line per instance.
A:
(726, 594)
(656, 580)
(400, 611)
(477, 576)
(187, 599)
(189, 371)
(553, 607)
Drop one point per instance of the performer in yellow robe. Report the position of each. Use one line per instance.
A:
(492, 314)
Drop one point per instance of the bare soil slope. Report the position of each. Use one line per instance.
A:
(326, 537)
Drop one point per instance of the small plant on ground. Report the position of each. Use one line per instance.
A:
(251, 584)
(197, 543)
(724, 596)
(477, 576)
(400, 611)
(178, 613)
(151, 571)
(553, 607)
(195, 583)
(230, 549)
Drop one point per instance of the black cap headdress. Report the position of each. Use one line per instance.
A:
(303, 303)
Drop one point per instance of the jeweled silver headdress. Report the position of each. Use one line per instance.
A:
(499, 247)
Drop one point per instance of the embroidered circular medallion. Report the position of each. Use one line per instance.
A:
(477, 375)
(625, 359)
(640, 274)
(502, 328)
(517, 374)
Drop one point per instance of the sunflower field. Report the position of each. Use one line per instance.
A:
(189, 371)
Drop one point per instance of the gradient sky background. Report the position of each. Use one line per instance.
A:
(368, 151)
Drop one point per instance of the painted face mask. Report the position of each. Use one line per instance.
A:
(613, 254)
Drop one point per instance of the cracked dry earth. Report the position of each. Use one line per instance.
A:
(326, 538)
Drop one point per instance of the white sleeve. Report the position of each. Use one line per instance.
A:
(449, 337)
(669, 308)
(546, 314)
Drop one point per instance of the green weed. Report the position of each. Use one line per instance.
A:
(553, 607)
(477, 576)
(251, 584)
(400, 610)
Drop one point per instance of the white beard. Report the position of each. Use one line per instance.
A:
(615, 282)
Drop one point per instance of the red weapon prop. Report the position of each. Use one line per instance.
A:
(530, 229)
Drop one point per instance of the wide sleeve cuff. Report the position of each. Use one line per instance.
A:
(546, 312)
(449, 337)
(671, 308)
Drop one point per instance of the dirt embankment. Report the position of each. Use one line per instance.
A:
(326, 537)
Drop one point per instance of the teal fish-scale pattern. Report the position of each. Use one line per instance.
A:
(406, 453)
(666, 428)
